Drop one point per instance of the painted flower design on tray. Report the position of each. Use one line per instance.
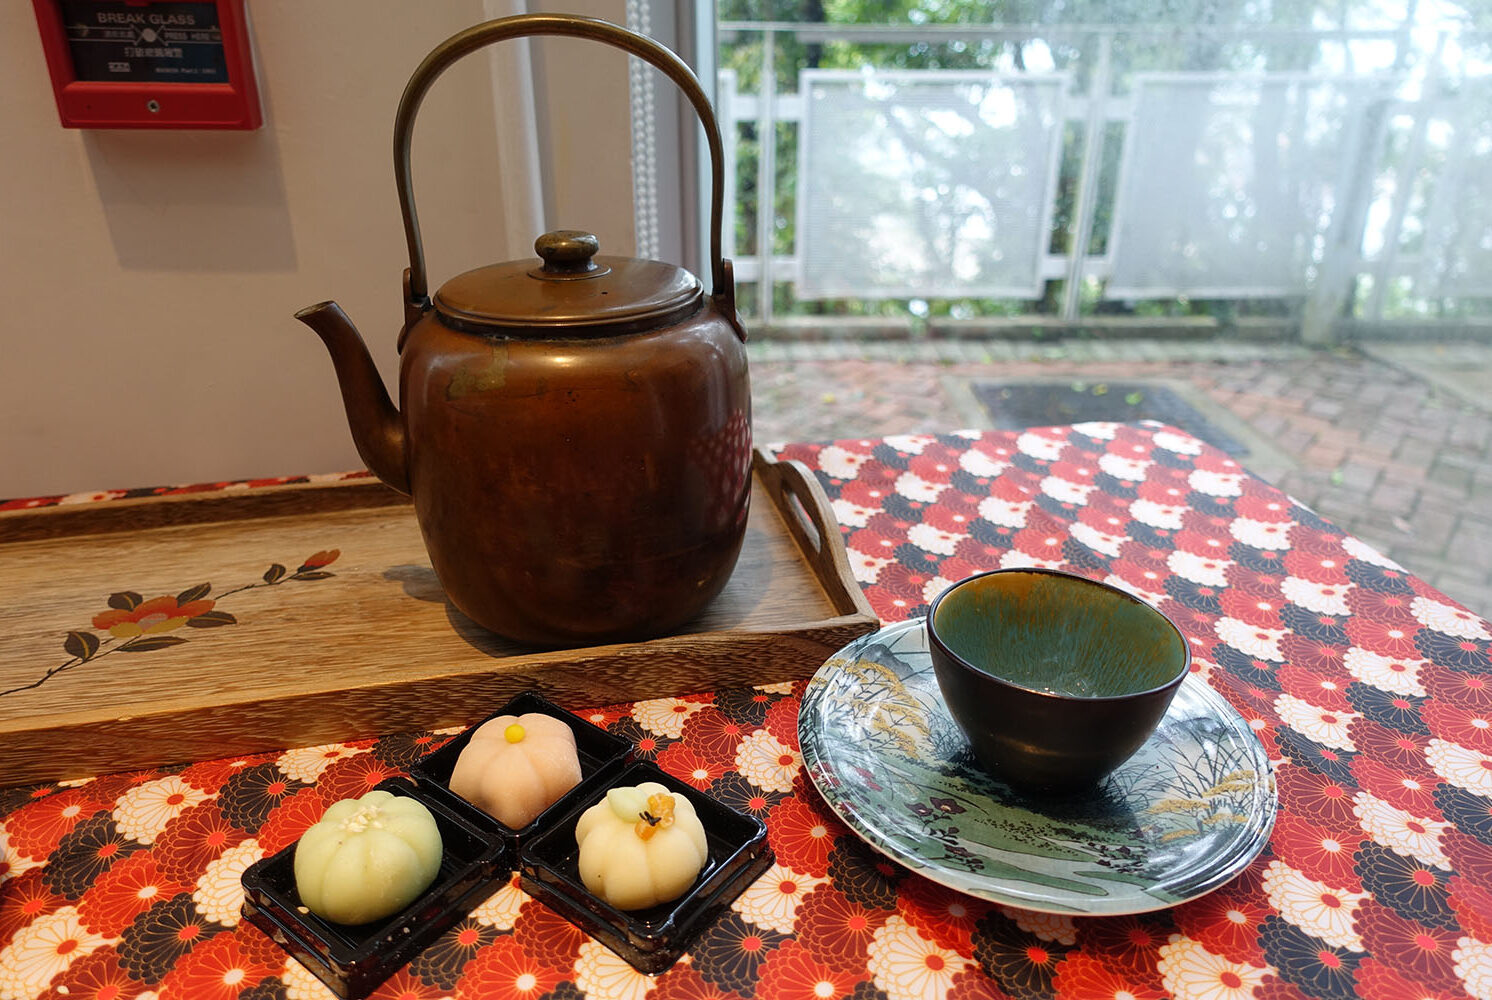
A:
(136, 624)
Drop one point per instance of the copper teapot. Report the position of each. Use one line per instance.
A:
(576, 433)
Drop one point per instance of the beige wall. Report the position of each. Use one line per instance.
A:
(150, 276)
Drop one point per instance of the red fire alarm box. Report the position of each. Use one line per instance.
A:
(150, 63)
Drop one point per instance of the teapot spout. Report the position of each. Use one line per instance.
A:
(377, 429)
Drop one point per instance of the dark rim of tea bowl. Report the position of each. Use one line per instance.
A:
(1035, 729)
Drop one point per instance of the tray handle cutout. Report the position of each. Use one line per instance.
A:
(806, 510)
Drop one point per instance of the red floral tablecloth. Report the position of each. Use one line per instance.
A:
(1369, 689)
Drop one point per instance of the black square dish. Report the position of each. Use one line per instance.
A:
(601, 754)
(650, 940)
(352, 961)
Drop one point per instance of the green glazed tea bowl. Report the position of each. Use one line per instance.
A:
(1055, 679)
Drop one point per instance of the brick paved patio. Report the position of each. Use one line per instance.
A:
(1391, 443)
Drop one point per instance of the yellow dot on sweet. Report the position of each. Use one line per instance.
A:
(516, 766)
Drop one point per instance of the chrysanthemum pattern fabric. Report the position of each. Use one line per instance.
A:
(1371, 692)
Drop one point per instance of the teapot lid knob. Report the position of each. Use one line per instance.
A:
(567, 253)
(575, 292)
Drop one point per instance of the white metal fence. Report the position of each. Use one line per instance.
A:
(1232, 184)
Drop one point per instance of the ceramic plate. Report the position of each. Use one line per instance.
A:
(1181, 817)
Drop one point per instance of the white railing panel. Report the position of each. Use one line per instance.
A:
(1457, 255)
(1229, 182)
(926, 183)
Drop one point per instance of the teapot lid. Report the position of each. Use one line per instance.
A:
(572, 292)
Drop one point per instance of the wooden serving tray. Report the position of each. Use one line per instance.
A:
(137, 633)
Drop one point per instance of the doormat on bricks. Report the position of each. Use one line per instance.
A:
(1014, 405)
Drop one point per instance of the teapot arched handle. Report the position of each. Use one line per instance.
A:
(416, 282)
